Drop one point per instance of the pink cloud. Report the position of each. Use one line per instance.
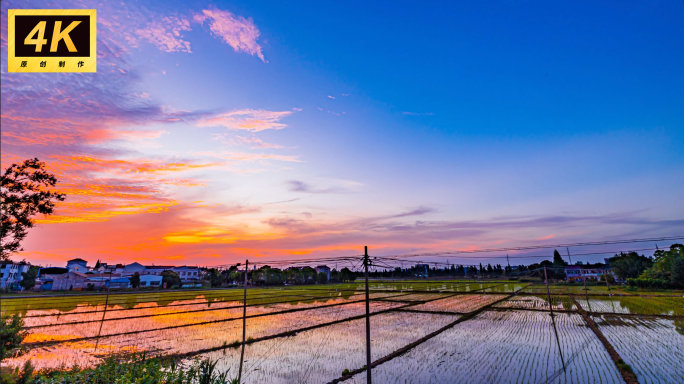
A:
(253, 120)
(165, 34)
(236, 31)
(251, 141)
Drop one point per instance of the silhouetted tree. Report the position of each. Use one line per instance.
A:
(28, 278)
(170, 279)
(322, 278)
(346, 274)
(213, 277)
(135, 280)
(25, 190)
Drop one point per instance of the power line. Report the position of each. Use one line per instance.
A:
(531, 247)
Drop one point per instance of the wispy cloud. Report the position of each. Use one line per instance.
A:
(301, 186)
(238, 32)
(166, 33)
(253, 120)
(407, 113)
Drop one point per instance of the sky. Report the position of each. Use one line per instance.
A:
(215, 131)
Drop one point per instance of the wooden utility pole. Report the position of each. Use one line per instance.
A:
(104, 312)
(368, 338)
(553, 319)
(569, 259)
(244, 323)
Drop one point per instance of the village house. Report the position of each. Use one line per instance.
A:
(119, 282)
(46, 276)
(77, 265)
(133, 268)
(151, 281)
(77, 276)
(10, 274)
(587, 272)
(71, 281)
(188, 274)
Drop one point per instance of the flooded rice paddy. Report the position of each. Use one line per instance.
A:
(463, 331)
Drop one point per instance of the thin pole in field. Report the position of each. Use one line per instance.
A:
(605, 276)
(586, 292)
(553, 319)
(567, 249)
(368, 339)
(109, 284)
(244, 323)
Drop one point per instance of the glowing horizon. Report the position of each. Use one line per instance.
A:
(218, 131)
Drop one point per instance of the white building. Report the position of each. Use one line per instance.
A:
(10, 274)
(150, 281)
(77, 265)
(157, 269)
(188, 274)
(133, 268)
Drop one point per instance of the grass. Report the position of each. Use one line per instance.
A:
(133, 369)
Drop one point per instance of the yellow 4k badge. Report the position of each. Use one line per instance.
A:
(51, 40)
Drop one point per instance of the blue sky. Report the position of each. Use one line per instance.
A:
(313, 127)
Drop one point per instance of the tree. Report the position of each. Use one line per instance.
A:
(25, 190)
(170, 279)
(558, 259)
(135, 280)
(629, 264)
(28, 278)
(668, 267)
(308, 275)
(11, 335)
(322, 278)
(214, 277)
(558, 271)
(346, 274)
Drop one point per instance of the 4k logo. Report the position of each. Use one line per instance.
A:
(51, 40)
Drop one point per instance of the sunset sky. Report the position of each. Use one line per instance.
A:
(214, 131)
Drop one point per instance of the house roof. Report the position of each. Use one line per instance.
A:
(76, 274)
(77, 260)
(52, 271)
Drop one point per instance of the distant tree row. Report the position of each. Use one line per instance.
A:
(666, 270)
(266, 275)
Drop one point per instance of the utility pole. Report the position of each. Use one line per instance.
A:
(569, 259)
(553, 319)
(368, 339)
(109, 283)
(244, 323)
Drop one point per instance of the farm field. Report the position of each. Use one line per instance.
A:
(422, 331)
